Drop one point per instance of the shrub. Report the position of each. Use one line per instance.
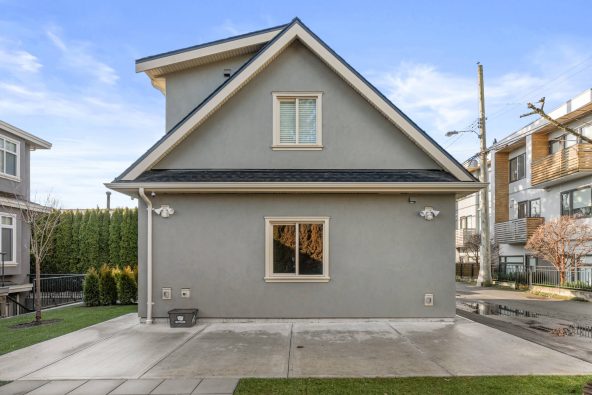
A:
(91, 288)
(107, 286)
(127, 288)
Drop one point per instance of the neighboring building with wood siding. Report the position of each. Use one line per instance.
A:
(539, 173)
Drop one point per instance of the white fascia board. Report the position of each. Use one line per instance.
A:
(298, 32)
(35, 141)
(23, 205)
(206, 51)
(299, 187)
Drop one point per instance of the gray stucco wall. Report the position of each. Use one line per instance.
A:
(239, 135)
(12, 187)
(383, 256)
(9, 187)
(186, 89)
(18, 274)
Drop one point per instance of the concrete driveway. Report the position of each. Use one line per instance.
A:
(124, 349)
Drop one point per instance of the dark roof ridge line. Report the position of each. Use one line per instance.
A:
(208, 44)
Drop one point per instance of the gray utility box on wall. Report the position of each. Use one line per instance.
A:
(182, 318)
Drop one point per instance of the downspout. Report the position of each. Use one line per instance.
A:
(149, 302)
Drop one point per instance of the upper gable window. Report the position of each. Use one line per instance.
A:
(297, 121)
(9, 157)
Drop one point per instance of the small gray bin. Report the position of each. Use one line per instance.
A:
(182, 318)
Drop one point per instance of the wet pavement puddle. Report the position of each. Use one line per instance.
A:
(540, 322)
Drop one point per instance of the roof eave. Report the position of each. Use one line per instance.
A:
(208, 51)
(299, 187)
(34, 141)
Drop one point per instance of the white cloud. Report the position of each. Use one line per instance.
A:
(96, 132)
(17, 61)
(77, 56)
(229, 27)
(440, 101)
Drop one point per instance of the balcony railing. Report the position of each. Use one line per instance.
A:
(463, 236)
(572, 160)
(516, 231)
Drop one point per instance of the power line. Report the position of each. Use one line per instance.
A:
(559, 77)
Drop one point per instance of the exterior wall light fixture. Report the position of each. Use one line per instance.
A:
(164, 211)
(428, 213)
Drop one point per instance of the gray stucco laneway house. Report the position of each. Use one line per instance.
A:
(287, 186)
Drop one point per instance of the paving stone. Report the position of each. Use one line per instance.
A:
(57, 387)
(97, 387)
(136, 387)
(21, 387)
(216, 386)
(176, 387)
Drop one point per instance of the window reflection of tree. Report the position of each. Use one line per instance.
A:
(310, 249)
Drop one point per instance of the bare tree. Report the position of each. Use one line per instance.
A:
(563, 242)
(473, 248)
(43, 220)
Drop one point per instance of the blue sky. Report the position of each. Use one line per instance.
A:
(67, 68)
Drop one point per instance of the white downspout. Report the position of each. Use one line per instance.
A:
(149, 302)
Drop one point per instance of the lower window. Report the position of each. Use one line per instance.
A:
(7, 240)
(296, 249)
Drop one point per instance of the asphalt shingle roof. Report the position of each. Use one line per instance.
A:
(295, 175)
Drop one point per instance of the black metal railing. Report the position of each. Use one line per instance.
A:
(14, 307)
(574, 278)
(56, 290)
(510, 273)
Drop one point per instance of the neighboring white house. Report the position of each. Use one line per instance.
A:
(537, 173)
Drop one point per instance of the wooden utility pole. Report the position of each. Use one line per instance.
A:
(484, 278)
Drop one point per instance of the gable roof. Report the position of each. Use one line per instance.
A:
(34, 141)
(156, 66)
(295, 30)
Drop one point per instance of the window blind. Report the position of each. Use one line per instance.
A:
(307, 121)
(287, 121)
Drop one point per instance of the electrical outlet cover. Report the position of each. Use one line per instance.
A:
(428, 299)
(185, 292)
(167, 293)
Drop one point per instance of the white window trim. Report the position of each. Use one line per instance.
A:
(18, 159)
(12, 262)
(295, 278)
(277, 146)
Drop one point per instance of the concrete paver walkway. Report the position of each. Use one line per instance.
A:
(122, 356)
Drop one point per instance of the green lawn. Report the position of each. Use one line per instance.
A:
(72, 319)
(507, 385)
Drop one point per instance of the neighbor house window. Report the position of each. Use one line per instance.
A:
(297, 121)
(297, 249)
(577, 202)
(511, 264)
(523, 209)
(9, 155)
(534, 209)
(560, 143)
(7, 239)
(466, 222)
(586, 131)
(517, 168)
